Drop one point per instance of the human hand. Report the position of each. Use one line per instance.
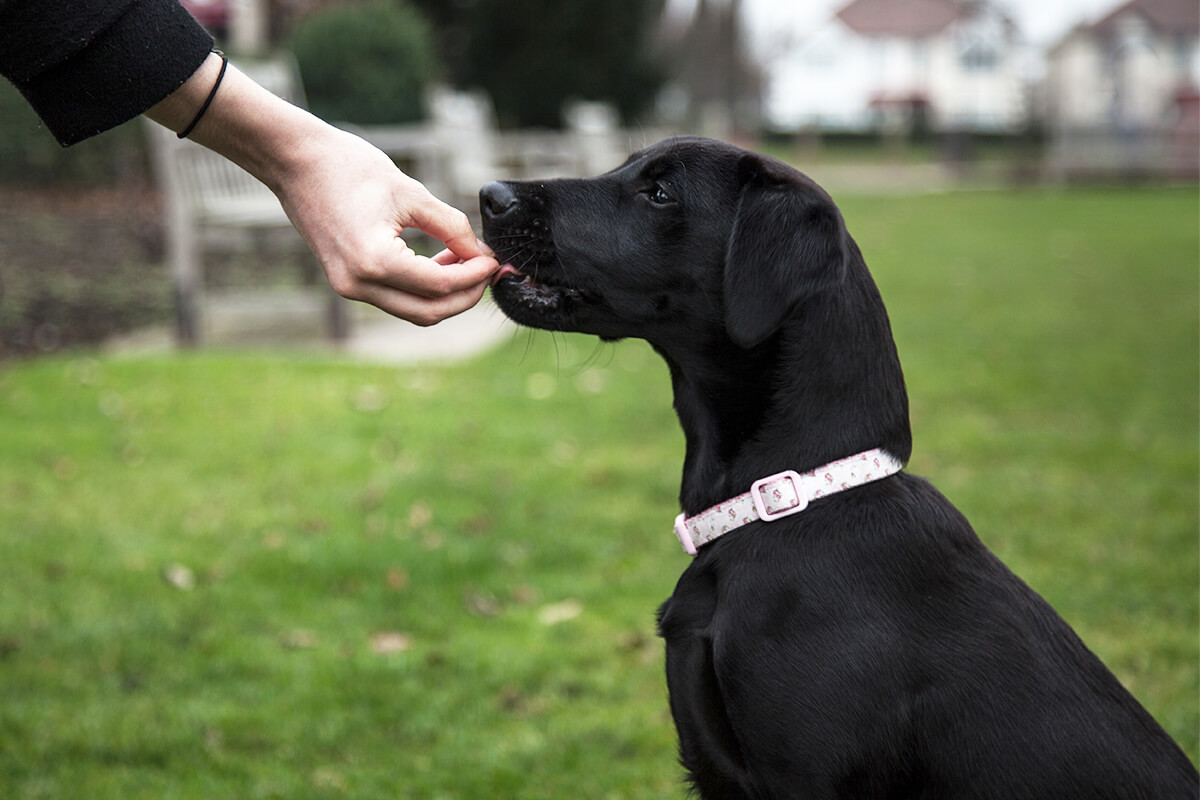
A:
(351, 204)
(345, 197)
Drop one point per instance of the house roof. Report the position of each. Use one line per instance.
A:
(909, 18)
(1179, 17)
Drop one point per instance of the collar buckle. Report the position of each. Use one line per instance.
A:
(780, 499)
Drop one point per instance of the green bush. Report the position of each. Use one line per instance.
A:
(368, 64)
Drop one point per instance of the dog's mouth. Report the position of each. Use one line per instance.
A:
(510, 272)
(511, 286)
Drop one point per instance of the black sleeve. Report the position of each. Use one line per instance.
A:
(88, 65)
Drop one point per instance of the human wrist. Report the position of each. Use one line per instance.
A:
(212, 93)
(177, 109)
(265, 135)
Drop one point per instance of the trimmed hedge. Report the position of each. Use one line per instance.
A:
(367, 64)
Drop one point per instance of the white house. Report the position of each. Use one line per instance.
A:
(1123, 93)
(1128, 68)
(951, 65)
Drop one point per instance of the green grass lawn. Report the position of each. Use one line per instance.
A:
(232, 575)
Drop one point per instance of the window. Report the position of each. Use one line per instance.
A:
(979, 56)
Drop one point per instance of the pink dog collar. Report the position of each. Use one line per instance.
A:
(781, 495)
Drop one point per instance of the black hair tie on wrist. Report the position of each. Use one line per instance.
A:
(220, 75)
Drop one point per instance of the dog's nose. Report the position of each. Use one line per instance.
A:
(496, 200)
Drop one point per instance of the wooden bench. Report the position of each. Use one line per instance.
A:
(211, 203)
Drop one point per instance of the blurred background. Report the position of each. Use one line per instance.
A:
(872, 95)
(260, 542)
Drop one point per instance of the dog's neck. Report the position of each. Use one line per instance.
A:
(826, 385)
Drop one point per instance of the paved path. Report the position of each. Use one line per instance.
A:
(381, 338)
(292, 322)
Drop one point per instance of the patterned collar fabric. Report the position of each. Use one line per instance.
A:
(781, 495)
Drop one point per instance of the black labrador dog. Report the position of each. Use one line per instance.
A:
(869, 645)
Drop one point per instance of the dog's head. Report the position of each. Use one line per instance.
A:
(687, 235)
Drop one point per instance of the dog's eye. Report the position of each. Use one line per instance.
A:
(659, 195)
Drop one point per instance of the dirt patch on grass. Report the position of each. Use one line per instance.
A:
(78, 266)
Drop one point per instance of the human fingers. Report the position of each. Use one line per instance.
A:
(446, 224)
(441, 275)
(420, 310)
(448, 256)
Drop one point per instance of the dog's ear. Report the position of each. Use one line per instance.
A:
(788, 242)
